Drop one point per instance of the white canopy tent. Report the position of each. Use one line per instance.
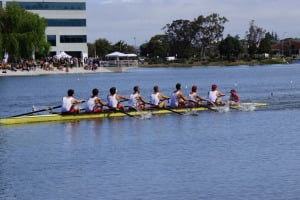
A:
(117, 54)
(131, 55)
(62, 55)
(118, 59)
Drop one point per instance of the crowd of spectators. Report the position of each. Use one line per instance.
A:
(51, 63)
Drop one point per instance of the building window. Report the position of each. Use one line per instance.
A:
(66, 22)
(51, 5)
(73, 39)
(51, 39)
(1, 4)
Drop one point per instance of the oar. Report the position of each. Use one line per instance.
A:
(207, 106)
(37, 111)
(120, 110)
(167, 109)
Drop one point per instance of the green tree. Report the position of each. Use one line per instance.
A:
(207, 31)
(230, 47)
(91, 49)
(123, 47)
(156, 47)
(1, 28)
(24, 33)
(180, 35)
(102, 48)
(144, 49)
(186, 38)
(265, 46)
(253, 37)
(271, 36)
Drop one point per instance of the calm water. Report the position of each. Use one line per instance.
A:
(216, 156)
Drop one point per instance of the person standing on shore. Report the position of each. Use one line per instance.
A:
(136, 101)
(177, 98)
(69, 103)
(114, 99)
(214, 96)
(95, 104)
(157, 98)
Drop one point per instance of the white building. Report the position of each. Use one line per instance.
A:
(66, 30)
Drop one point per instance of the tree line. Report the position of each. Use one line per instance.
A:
(22, 35)
(201, 38)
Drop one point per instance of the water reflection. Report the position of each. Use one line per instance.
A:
(71, 129)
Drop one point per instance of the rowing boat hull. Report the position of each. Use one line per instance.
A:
(85, 116)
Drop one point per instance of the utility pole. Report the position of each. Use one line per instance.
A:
(282, 44)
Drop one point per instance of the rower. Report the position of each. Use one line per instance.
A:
(195, 98)
(69, 103)
(114, 99)
(95, 104)
(157, 99)
(136, 101)
(177, 98)
(214, 96)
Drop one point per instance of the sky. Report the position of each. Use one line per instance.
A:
(136, 21)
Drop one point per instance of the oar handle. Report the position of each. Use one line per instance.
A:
(169, 109)
(120, 110)
(37, 111)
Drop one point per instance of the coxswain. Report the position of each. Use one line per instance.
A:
(234, 98)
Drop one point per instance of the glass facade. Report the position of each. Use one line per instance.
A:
(73, 39)
(51, 39)
(51, 5)
(66, 22)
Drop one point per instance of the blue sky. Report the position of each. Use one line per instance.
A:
(136, 21)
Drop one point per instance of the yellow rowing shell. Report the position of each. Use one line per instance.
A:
(85, 116)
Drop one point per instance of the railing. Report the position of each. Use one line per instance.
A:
(119, 63)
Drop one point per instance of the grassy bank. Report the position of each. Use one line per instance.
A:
(218, 63)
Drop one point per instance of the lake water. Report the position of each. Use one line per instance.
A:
(213, 155)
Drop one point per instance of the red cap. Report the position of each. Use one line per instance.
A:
(232, 91)
(194, 87)
(214, 86)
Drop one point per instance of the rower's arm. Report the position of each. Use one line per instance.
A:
(163, 97)
(183, 97)
(102, 102)
(143, 100)
(220, 94)
(76, 101)
(122, 97)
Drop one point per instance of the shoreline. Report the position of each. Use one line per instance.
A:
(41, 72)
(80, 70)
